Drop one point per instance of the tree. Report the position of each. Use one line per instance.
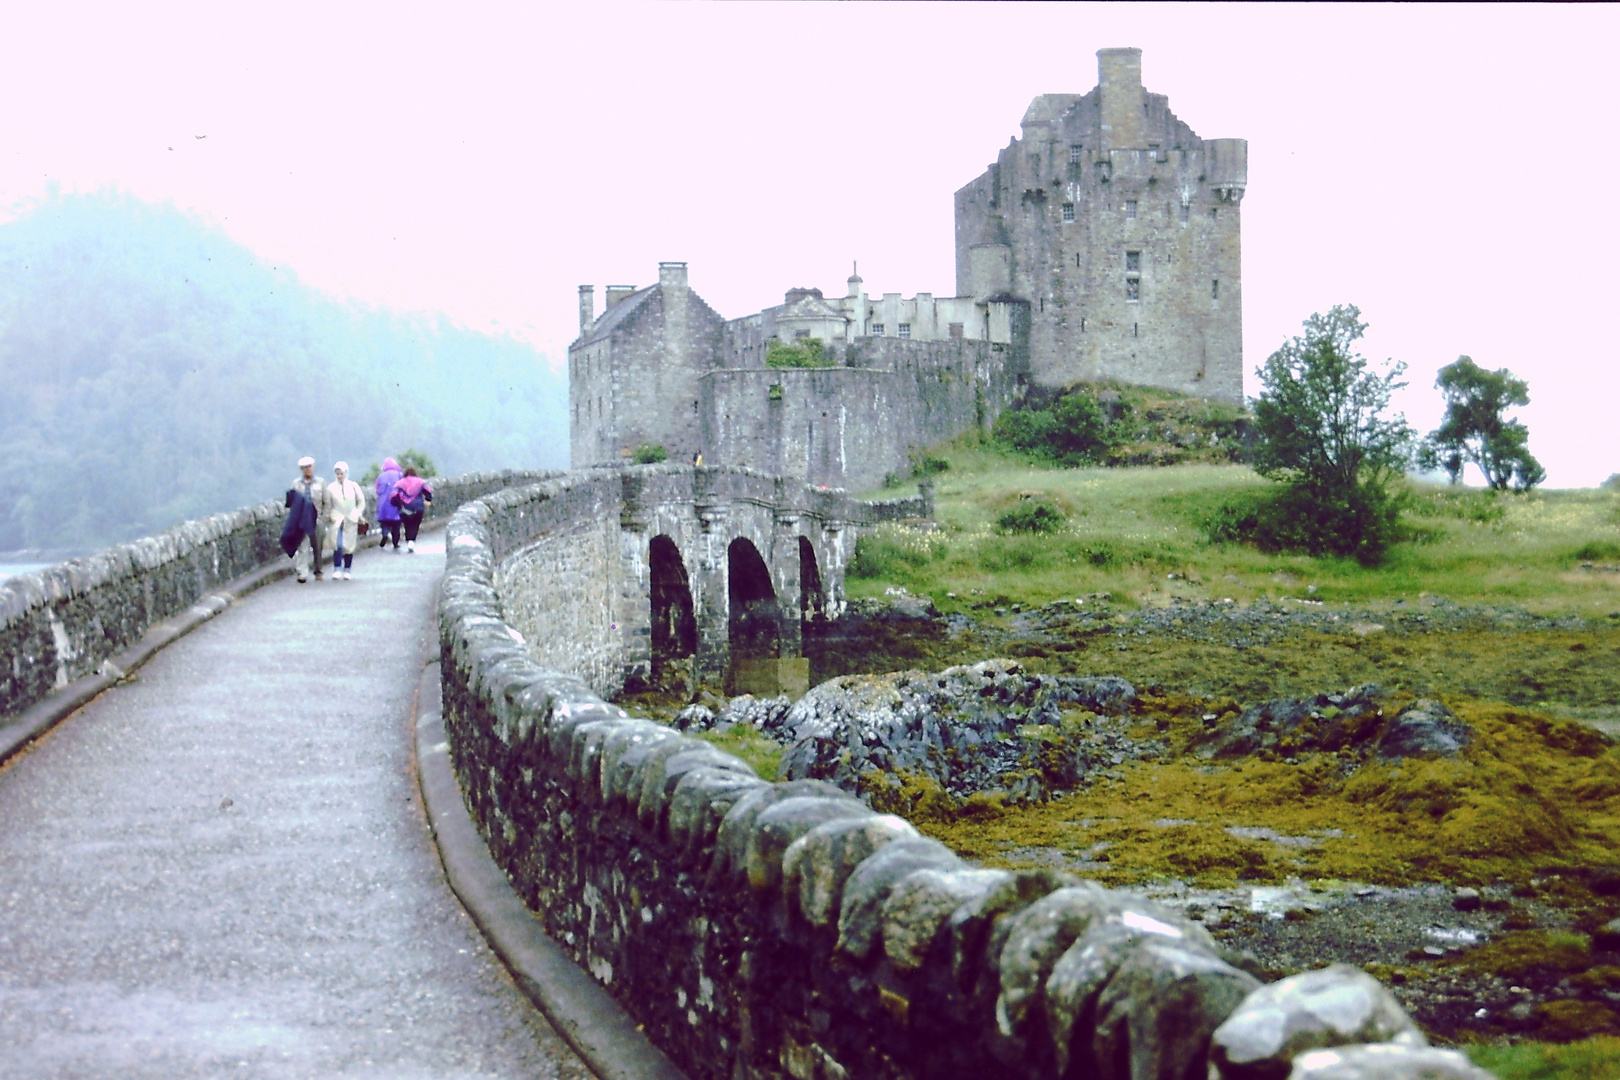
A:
(1474, 429)
(1323, 432)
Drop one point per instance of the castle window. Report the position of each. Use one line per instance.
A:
(1068, 211)
(1215, 289)
(1130, 209)
(956, 331)
(800, 335)
(1133, 329)
(905, 330)
(1213, 211)
(1082, 324)
(1133, 288)
(1133, 262)
(1074, 153)
(1184, 209)
(877, 329)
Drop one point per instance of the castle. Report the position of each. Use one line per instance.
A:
(1103, 244)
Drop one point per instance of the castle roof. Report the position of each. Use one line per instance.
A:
(615, 316)
(1048, 107)
(809, 307)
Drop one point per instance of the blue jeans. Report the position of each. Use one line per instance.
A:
(341, 559)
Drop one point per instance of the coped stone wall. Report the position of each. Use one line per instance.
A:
(765, 930)
(62, 622)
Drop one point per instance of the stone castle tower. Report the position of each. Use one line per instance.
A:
(1120, 227)
(1104, 244)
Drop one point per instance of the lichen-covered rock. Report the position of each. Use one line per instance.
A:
(960, 727)
(816, 865)
(1294, 725)
(920, 905)
(731, 839)
(1077, 978)
(623, 754)
(1333, 1006)
(1156, 1014)
(1426, 728)
(694, 718)
(860, 916)
(662, 772)
(767, 715)
(1386, 1061)
(779, 826)
(973, 939)
(1036, 937)
(701, 800)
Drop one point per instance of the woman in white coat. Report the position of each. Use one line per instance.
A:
(345, 514)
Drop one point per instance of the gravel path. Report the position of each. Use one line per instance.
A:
(222, 867)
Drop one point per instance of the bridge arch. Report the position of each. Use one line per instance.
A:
(812, 597)
(674, 629)
(754, 625)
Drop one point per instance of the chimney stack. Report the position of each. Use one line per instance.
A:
(615, 293)
(1119, 79)
(587, 308)
(672, 275)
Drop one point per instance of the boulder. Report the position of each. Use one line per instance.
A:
(1293, 725)
(1386, 1061)
(1426, 728)
(1333, 1006)
(977, 727)
(1156, 1015)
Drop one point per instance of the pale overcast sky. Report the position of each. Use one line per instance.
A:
(1445, 168)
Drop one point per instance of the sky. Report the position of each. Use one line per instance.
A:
(1444, 168)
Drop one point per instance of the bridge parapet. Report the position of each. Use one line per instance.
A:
(63, 622)
(774, 930)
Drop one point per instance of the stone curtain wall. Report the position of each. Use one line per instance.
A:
(764, 930)
(60, 623)
(850, 426)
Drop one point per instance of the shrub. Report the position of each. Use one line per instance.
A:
(924, 464)
(649, 453)
(1032, 516)
(1349, 524)
(1069, 432)
(1598, 551)
(809, 353)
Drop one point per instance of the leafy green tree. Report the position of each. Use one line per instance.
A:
(1475, 430)
(1324, 433)
(413, 458)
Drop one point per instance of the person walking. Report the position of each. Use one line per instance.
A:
(413, 496)
(346, 516)
(387, 512)
(312, 489)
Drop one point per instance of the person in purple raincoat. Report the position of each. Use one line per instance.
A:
(387, 512)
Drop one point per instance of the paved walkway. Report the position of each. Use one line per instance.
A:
(222, 869)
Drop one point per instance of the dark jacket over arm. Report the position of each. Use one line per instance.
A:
(300, 521)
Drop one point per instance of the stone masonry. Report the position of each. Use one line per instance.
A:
(764, 930)
(1103, 244)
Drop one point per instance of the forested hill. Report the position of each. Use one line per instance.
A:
(153, 370)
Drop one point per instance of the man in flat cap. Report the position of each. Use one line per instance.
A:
(312, 488)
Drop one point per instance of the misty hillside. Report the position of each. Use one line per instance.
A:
(154, 370)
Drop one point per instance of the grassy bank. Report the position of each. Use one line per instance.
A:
(1129, 529)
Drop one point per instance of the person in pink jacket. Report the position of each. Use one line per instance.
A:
(413, 496)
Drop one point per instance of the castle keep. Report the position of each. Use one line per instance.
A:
(1103, 244)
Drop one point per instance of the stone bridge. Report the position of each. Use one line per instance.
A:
(221, 849)
(679, 577)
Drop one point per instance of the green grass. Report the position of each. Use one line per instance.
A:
(763, 754)
(1592, 1059)
(1128, 529)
